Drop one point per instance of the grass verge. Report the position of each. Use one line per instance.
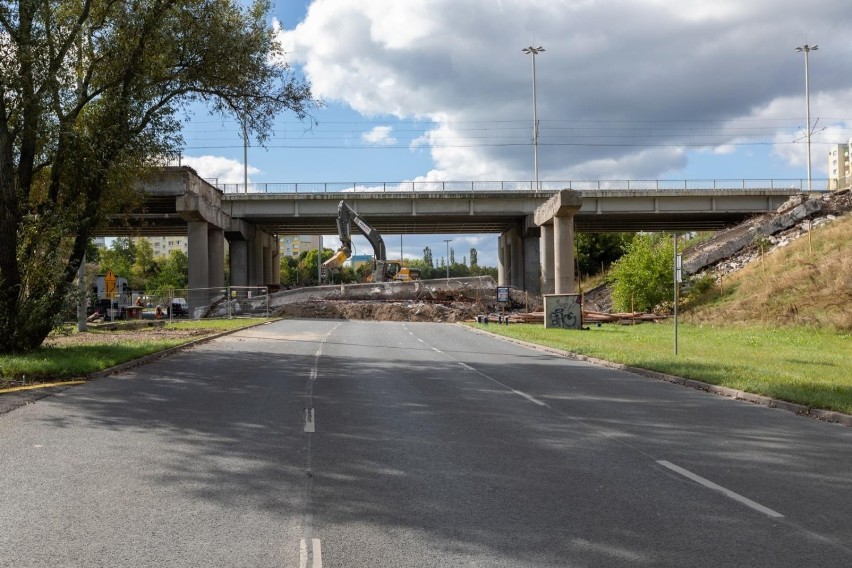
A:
(100, 349)
(796, 364)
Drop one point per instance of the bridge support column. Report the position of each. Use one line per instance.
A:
(532, 259)
(517, 266)
(198, 253)
(216, 257)
(239, 262)
(559, 211)
(268, 253)
(256, 260)
(276, 261)
(502, 262)
(510, 254)
(547, 267)
(563, 255)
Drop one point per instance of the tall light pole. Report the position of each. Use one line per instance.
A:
(807, 49)
(448, 241)
(534, 51)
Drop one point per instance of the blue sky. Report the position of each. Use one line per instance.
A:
(626, 89)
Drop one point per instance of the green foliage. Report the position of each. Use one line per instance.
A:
(643, 278)
(145, 266)
(92, 97)
(172, 273)
(308, 266)
(119, 257)
(597, 251)
(289, 271)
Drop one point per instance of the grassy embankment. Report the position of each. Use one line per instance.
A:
(102, 349)
(781, 327)
(799, 365)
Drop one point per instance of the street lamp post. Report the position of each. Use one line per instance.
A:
(807, 49)
(534, 51)
(448, 241)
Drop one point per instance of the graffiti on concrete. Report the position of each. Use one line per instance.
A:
(562, 311)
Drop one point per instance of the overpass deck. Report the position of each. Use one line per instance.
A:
(459, 207)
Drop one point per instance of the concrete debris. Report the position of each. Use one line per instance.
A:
(795, 218)
(438, 300)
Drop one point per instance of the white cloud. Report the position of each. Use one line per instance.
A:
(624, 89)
(380, 135)
(224, 170)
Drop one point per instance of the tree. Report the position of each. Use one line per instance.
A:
(91, 95)
(172, 273)
(473, 257)
(427, 257)
(289, 270)
(145, 266)
(119, 257)
(452, 256)
(597, 251)
(642, 278)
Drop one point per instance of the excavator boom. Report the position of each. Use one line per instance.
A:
(345, 217)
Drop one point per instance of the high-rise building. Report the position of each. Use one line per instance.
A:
(839, 166)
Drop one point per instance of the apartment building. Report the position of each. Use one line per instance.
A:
(839, 166)
(294, 245)
(163, 246)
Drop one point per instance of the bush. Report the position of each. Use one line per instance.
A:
(642, 278)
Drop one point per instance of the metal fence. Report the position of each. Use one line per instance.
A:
(530, 186)
(207, 303)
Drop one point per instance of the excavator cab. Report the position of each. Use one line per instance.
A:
(392, 268)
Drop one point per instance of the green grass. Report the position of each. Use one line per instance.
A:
(62, 362)
(797, 364)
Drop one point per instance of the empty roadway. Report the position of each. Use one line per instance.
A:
(347, 443)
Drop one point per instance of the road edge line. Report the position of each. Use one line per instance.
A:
(830, 416)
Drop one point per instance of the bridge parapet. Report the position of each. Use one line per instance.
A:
(418, 187)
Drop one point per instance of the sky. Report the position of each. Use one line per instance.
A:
(624, 89)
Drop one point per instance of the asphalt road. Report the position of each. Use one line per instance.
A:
(356, 444)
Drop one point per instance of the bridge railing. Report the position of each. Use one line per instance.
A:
(527, 186)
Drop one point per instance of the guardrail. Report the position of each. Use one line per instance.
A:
(818, 185)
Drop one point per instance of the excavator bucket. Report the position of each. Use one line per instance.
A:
(337, 260)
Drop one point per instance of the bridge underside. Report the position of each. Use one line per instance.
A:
(160, 224)
(178, 202)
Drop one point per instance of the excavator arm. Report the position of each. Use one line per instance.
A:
(345, 217)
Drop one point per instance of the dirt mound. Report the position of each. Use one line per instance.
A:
(381, 311)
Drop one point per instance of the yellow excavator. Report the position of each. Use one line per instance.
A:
(384, 270)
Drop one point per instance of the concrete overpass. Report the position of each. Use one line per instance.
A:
(178, 202)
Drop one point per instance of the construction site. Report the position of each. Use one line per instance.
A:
(469, 299)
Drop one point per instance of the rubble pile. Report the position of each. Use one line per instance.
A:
(744, 240)
(732, 249)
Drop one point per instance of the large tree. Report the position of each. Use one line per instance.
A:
(91, 94)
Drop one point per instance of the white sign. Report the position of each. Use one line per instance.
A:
(503, 294)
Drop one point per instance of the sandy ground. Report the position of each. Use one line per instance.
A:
(123, 332)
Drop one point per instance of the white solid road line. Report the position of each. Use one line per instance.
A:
(727, 492)
(492, 379)
(310, 425)
(310, 558)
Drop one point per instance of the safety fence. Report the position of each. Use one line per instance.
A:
(193, 303)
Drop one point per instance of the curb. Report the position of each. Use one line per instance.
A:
(799, 409)
(32, 393)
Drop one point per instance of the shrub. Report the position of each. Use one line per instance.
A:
(642, 278)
